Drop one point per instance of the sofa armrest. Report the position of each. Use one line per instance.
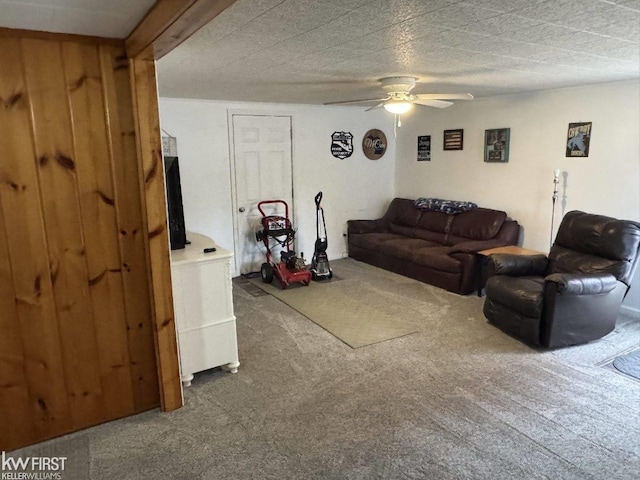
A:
(473, 246)
(509, 233)
(365, 226)
(581, 283)
(518, 265)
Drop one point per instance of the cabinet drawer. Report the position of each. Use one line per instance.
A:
(205, 295)
(208, 347)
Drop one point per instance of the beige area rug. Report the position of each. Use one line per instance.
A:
(344, 309)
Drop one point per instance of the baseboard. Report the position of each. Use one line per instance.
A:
(633, 312)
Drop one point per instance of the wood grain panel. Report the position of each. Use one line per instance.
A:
(27, 248)
(131, 226)
(99, 224)
(143, 78)
(86, 317)
(14, 390)
(57, 171)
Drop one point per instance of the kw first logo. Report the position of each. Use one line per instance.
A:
(39, 468)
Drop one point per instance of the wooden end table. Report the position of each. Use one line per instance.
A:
(483, 255)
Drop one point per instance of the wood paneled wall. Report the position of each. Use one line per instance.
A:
(76, 319)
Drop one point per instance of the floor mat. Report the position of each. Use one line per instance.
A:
(342, 308)
(628, 363)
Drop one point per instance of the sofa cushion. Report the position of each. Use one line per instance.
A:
(436, 257)
(404, 248)
(403, 230)
(401, 212)
(476, 224)
(436, 237)
(521, 294)
(563, 260)
(432, 226)
(434, 221)
(595, 244)
(371, 241)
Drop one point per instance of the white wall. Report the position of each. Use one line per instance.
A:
(607, 182)
(353, 188)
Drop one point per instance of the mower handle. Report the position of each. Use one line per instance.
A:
(318, 199)
(266, 202)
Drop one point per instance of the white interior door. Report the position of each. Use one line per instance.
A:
(262, 158)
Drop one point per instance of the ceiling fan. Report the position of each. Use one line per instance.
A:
(400, 100)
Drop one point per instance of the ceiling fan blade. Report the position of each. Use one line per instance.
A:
(379, 105)
(433, 103)
(445, 96)
(364, 100)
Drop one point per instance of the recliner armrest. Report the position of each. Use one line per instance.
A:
(366, 226)
(582, 283)
(518, 265)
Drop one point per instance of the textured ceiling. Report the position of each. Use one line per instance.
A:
(316, 51)
(101, 18)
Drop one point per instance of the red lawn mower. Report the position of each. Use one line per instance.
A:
(278, 231)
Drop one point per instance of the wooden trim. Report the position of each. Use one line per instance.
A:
(151, 173)
(59, 37)
(162, 15)
(166, 25)
(197, 16)
(132, 250)
(169, 23)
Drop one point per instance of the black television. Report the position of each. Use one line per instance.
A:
(177, 232)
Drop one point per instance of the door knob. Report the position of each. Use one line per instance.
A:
(241, 209)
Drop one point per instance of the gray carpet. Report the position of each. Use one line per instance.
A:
(351, 310)
(457, 400)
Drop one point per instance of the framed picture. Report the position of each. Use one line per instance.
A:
(452, 139)
(578, 139)
(496, 145)
(424, 148)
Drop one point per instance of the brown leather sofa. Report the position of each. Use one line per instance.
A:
(433, 247)
(574, 295)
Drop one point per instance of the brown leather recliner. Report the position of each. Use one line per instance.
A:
(574, 295)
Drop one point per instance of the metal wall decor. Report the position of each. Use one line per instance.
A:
(496, 145)
(374, 144)
(578, 139)
(453, 139)
(424, 148)
(341, 144)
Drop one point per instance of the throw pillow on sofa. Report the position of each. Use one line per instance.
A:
(451, 207)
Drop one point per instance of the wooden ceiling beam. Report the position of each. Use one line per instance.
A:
(169, 23)
(59, 37)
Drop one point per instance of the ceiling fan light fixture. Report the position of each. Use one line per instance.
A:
(397, 107)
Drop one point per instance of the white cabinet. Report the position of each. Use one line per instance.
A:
(203, 305)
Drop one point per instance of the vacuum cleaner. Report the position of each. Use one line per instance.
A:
(320, 268)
